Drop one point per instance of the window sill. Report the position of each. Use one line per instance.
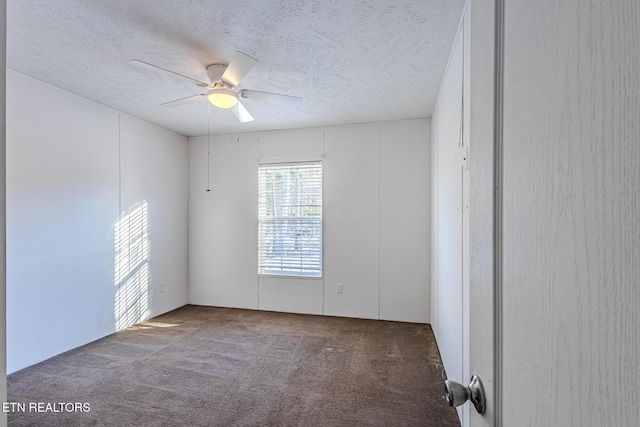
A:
(283, 276)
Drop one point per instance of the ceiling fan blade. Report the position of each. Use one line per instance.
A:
(239, 66)
(182, 101)
(164, 71)
(241, 113)
(268, 97)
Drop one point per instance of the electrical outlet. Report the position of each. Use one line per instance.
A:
(163, 286)
(339, 288)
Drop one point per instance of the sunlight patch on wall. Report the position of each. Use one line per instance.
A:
(132, 274)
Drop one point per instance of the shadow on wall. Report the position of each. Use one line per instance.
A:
(132, 273)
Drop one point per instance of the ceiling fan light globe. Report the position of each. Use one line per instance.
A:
(222, 98)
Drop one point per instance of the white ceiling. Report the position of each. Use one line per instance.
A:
(353, 61)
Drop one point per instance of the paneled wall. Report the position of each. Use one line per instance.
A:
(96, 221)
(375, 214)
(352, 238)
(450, 210)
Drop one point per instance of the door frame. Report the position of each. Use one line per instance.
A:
(485, 219)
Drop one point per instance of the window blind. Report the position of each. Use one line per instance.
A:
(290, 219)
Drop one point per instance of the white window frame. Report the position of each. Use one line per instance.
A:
(290, 220)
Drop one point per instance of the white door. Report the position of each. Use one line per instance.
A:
(568, 213)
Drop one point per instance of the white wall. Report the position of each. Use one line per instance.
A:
(352, 221)
(222, 248)
(450, 210)
(154, 165)
(376, 221)
(405, 248)
(73, 166)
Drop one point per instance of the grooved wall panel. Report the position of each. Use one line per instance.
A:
(79, 267)
(375, 221)
(404, 234)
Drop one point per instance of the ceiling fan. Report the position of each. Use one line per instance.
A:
(222, 89)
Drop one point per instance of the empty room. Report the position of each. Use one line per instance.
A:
(320, 213)
(261, 263)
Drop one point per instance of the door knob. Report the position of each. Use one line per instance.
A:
(457, 394)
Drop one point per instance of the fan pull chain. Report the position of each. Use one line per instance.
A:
(208, 147)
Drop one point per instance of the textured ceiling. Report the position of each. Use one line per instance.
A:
(352, 61)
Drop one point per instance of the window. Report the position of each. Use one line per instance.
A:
(290, 219)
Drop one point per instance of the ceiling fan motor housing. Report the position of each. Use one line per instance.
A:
(215, 72)
(221, 94)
